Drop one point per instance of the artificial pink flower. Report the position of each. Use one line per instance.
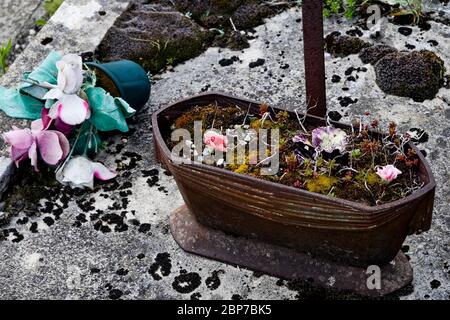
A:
(329, 139)
(79, 172)
(53, 146)
(388, 173)
(70, 108)
(58, 123)
(215, 140)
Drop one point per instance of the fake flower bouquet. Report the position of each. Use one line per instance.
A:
(68, 111)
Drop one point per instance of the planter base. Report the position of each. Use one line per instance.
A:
(283, 262)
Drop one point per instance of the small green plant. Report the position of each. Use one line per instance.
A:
(4, 53)
(51, 6)
(332, 7)
(347, 7)
(410, 7)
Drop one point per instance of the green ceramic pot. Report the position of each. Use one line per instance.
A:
(124, 78)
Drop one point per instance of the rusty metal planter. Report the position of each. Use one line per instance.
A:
(327, 228)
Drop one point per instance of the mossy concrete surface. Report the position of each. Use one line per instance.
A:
(162, 33)
(114, 242)
(153, 38)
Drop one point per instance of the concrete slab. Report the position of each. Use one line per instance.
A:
(115, 243)
(17, 16)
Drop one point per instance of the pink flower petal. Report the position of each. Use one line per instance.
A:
(19, 138)
(72, 110)
(65, 128)
(37, 126)
(101, 172)
(64, 143)
(49, 147)
(32, 154)
(17, 155)
(46, 119)
(88, 109)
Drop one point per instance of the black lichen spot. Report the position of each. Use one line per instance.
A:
(335, 78)
(406, 31)
(95, 270)
(144, 228)
(236, 297)
(46, 41)
(121, 227)
(346, 101)
(49, 221)
(18, 237)
(115, 294)
(213, 281)
(87, 205)
(22, 221)
(433, 43)
(187, 282)
(34, 227)
(152, 181)
(140, 256)
(196, 296)
(349, 71)
(435, 284)
(122, 272)
(410, 46)
(228, 62)
(257, 63)
(163, 264)
(163, 189)
(150, 173)
(334, 115)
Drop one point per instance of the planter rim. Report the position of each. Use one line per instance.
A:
(108, 73)
(347, 203)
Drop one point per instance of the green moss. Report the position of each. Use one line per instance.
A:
(321, 184)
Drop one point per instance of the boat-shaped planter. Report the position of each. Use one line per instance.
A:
(286, 231)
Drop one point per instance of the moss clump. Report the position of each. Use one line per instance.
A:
(373, 54)
(153, 39)
(418, 75)
(342, 46)
(321, 184)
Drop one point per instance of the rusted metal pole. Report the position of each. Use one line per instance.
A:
(314, 57)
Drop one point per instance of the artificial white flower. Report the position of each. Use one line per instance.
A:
(70, 108)
(79, 172)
